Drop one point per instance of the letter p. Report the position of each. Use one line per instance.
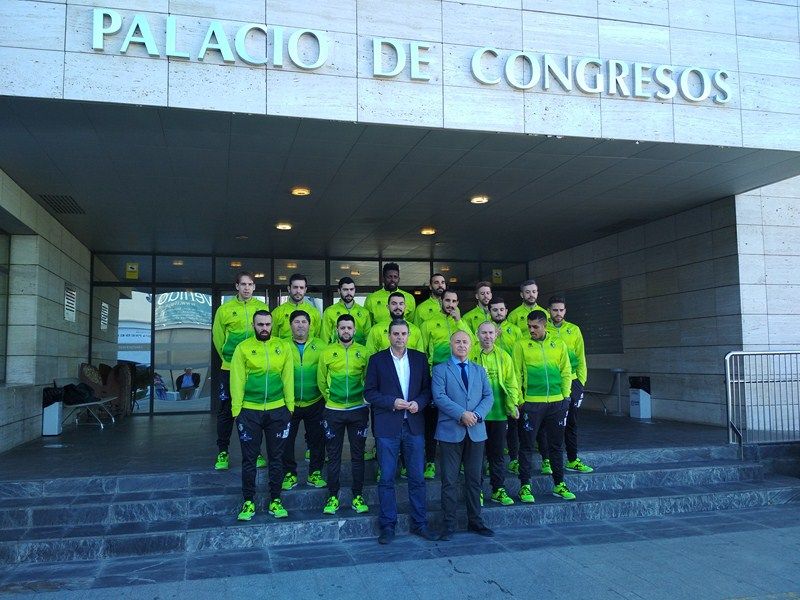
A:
(99, 30)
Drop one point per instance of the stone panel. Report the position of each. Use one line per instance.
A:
(107, 78)
(766, 20)
(215, 87)
(554, 114)
(418, 20)
(560, 34)
(309, 95)
(480, 26)
(329, 15)
(711, 15)
(242, 10)
(399, 102)
(583, 8)
(707, 125)
(634, 120)
(774, 130)
(634, 42)
(33, 73)
(503, 110)
(34, 25)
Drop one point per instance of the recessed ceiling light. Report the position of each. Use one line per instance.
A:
(281, 277)
(258, 275)
(355, 273)
(291, 265)
(235, 264)
(444, 268)
(479, 199)
(427, 231)
(241, 237)
(453, 280)
(283, 226)
(417, 293)
(177, 262)
(344, 267)
(300, 190)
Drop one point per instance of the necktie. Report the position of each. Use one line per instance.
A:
(464, 376)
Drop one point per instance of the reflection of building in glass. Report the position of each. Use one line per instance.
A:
(133, 336)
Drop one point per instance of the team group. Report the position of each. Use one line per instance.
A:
(478, 386)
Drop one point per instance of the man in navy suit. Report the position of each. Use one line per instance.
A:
(462, 393)
(398, 387)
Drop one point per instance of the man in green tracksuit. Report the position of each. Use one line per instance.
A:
(308, 404)
(432, 306)
(571, 335)
(378, 338)
(479, 314)
(546, 376)
(340, 377)
(529, 292)
(233, 323)
(376, 302)
(436, 333)
(262, 401)
(346, 306)
(507, 336)
(506, 392)
(298, 286)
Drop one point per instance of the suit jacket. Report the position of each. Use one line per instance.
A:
(452, 399)
(382, 386)
(195, 380)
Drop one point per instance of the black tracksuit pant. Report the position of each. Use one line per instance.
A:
(274, 425)
(548, 415)
(512, 437)
(495, 443)
(571, 430)
(311, 416)
(224, 416)
(355, 423)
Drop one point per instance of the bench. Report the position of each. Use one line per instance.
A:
(603, 382)
(92, 408)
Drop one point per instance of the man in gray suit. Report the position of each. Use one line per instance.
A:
(462, 393)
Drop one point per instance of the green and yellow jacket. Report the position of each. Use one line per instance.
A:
(571, 335)
(359, 313)
(508, 335)
(378, 338)
(430, 308)
(503, 379)
(233, 323)
(475, 317)
(262, 375)
(280, 319)
(340, 375)
(376, 304)
(306, 390)
(519, 316)
(436, 334)
(544, 369)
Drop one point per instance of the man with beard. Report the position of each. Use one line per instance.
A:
(340, 377)
(479, 314)
(298, 286)
(262, 401)
(376, 302)
(233, 323)
(346, 306)
(529, 292)
(433, 305)
(378, 338)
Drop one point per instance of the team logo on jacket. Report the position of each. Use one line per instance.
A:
(569, 329)
(358, 354)
(335, 354)
(277, 350)
(234, 313)
(552, 344)
(253, 352)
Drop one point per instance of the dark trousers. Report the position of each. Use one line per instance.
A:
(512, 437)
(431, 420)
(224, 416)
(311, 416)
(496, 441)
(413, 448)
(355, 423)
(274, 424)
(548, 415)
(452, 455)
(571, 430)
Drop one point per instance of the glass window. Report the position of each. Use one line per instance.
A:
(314, 270)
(364, 272)
(413, 275)
(504, 274)
(228, 267)
(458, 273)
(181, 269)
(130, 268)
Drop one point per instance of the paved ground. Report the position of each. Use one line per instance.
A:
(749, 553)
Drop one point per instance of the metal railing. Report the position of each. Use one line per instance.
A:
(763, 390)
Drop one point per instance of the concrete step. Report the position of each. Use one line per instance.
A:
(206, 533)
(114, 484)
(156, 505)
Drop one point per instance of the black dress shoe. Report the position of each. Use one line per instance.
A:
(424, 534)
(386, 536)
(445, 536)
(481, 530)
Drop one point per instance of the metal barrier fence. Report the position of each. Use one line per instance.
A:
(763, 390)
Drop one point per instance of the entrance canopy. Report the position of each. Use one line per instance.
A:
(164, 180)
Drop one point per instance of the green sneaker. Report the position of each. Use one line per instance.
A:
(578, 465)
(501, 497)
(513, 466)
(430, 470)
(308, 456)
(222, 462)
(546, 468)
(562, 491)
(371, 454)
(276, 509)
(261, 462)
(315, 480)
(248, 510)
(403, 473)
(359, 505)
(289, 481)
(525, 494)
(331, 506)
